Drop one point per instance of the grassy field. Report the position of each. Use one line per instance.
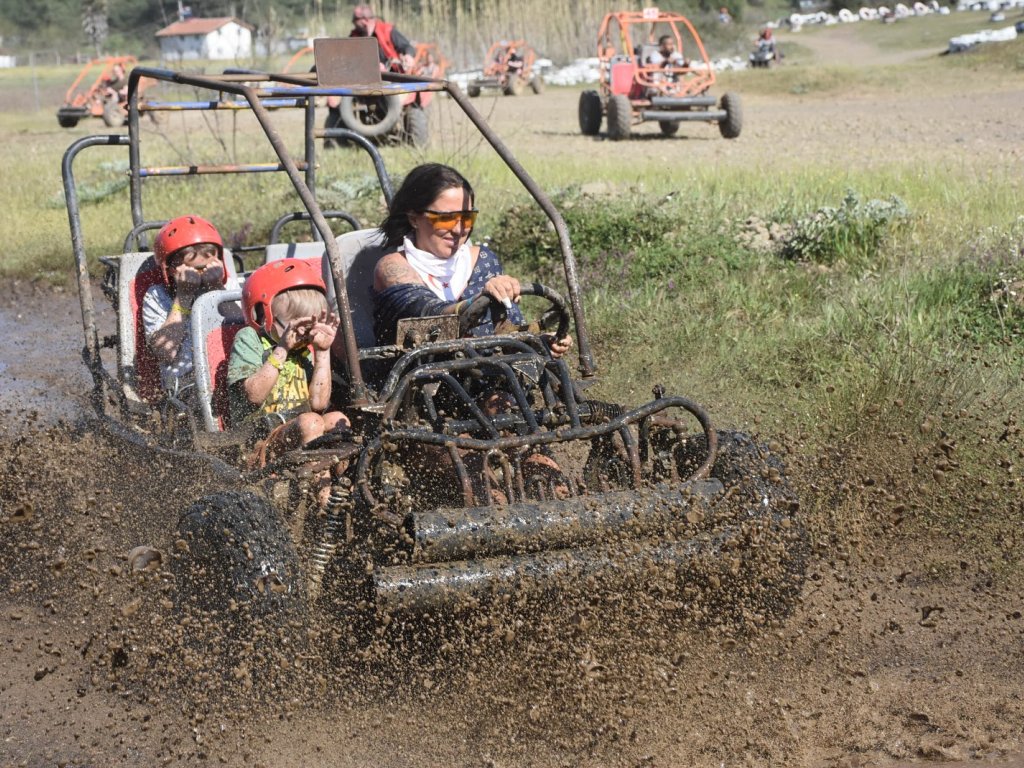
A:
(867, 327)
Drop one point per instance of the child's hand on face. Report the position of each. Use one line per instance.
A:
(212, 276)
(323, 331)
(297, 333)
(188, 281)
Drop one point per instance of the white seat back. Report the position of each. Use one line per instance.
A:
(360, 252)
(277, 251)
(216, 318)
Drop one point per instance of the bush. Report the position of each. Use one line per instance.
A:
(853, 232)
(622, 244)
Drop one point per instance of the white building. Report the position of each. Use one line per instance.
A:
(219, 38)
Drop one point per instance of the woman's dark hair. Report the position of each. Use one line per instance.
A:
(421, 186)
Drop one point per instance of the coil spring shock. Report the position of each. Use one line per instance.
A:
(333, 533)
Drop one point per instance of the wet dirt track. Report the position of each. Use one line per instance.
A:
(901, 649)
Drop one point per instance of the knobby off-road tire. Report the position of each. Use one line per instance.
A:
(620, 117)
(537, 84)
(669, 127)
(732, 124)
(590, 113)
(352, 116)
(416, 127)
(473, 89)
(764, 574)
(239, 582)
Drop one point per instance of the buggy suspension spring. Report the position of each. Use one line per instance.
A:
(335, 530)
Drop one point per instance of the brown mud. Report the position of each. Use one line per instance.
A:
(904, 646)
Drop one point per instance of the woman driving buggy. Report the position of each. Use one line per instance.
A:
(431, 268)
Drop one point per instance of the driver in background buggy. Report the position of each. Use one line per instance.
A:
(666, 54)
(395, 51)
(431, 267)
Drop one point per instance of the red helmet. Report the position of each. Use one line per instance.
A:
(182, 231)
(271, 279)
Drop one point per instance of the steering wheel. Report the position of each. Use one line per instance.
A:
(474, 314)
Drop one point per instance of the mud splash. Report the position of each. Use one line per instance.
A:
(903, 646)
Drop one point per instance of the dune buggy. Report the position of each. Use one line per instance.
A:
(431, 511)
(394, 116)
(508, 67)
(638, 84)
(98, 92)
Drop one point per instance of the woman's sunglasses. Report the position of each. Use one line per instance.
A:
(447, 220)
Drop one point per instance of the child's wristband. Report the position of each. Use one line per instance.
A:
(275, 362)
(183, 311)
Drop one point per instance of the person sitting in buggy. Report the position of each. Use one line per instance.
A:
(189, 252)
(279, 372)
(431, 268)
(666, 54)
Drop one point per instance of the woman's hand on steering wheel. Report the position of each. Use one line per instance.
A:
(504, 289)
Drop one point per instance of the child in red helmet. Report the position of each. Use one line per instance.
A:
(279, 372)
(190, 255)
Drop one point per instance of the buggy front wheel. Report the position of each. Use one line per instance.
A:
(731, 125)
(620, 117)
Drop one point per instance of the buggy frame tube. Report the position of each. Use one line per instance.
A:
(587, 366)
(91, 350)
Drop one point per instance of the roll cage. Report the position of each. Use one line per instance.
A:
(344, 71)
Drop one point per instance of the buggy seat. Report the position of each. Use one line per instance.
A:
(216, 318)
(360, 251)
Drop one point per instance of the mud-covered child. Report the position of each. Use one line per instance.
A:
(279, 372)
(189, 254)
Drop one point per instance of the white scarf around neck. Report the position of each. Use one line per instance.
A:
(446, 278)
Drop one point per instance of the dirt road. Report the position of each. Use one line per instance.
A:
(903, 648)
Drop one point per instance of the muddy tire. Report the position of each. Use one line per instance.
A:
(473, 89)
(537, 84)
(239, 582)
(416, 128)
(620, 117)
(669, 127)
(372, 117)
(113, 115)
(761, 566)
(590, 113)
(732, 124)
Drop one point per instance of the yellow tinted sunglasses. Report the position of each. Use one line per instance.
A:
(446, 220)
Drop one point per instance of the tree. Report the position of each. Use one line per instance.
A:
(94, 23)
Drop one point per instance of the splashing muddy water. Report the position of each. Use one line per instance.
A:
(901, 648)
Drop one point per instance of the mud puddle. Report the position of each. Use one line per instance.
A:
(41, 362)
